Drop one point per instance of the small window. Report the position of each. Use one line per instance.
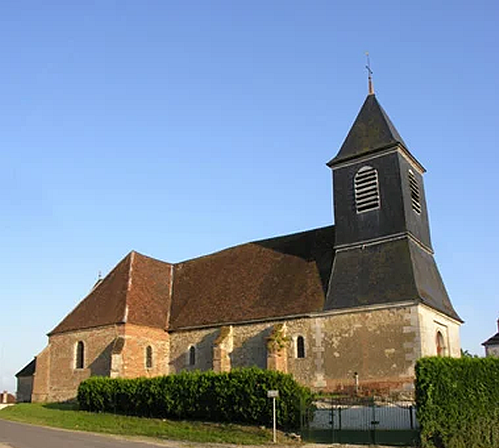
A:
(149, 357)
(415, 194)
(441, 351)
(300, 347)
(192, 356)
(80, 355)
(366, 189)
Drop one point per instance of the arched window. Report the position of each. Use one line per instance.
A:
(149, 357)
(192, 355)
(300, 347)
(415, 194)
(366, 189)
(80, 355)
(441, 350)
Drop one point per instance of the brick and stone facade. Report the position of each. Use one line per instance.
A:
(354, 303)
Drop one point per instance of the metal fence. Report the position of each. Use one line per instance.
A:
(362, 420)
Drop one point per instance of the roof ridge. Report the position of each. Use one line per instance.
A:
(151, 258)
(129, 285)
(250, 242)
(95, 288)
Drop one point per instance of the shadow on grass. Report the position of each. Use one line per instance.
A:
(63, 406)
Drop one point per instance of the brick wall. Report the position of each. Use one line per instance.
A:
(64, 376)
(137, 339)
(57, 377)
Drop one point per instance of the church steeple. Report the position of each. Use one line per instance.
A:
(372, 131)
(383, 251)
(378, 183)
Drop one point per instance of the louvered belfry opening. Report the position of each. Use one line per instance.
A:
(366, 189)
(415, 194)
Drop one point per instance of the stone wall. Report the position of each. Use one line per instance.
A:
(41, 376)
(377, 345)
(430, 323)
(380, 345)
(492, 350)
(202, 340)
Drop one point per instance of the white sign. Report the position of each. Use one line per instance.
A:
(272, 393)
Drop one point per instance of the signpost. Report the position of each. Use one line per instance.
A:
(273, 394)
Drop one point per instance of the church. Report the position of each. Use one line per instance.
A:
(354, 304)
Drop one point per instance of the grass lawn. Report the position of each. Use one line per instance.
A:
(68, 416)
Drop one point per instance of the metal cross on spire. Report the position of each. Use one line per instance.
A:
(369, 75)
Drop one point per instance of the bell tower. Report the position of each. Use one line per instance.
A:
(383, 250)
(377, 183)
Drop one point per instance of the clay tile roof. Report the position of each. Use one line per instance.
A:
(137, 290)
(277, 277)
(11, 399)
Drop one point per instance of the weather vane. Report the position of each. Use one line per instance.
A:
(369, 75)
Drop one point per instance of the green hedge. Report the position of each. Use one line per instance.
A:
(239, 396)
(458, 402)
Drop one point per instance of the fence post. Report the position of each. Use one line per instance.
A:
(373, 422)
(411, 417)
(339, 424)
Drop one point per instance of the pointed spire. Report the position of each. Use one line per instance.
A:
(372, 131)
(369, 76)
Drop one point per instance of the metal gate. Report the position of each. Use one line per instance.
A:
(361, 420)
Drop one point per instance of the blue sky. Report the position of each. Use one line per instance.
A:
(181, 128)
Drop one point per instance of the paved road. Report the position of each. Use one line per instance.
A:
(18, 435)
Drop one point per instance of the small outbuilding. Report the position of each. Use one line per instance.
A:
(25, 379)
(492, 344)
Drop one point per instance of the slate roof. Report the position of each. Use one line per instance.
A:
(137, 291)
(28, 370)
(371, 131)
(387, 273)
(494, 340)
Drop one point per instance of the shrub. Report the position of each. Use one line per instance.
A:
(239, 396)
(458, 402)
